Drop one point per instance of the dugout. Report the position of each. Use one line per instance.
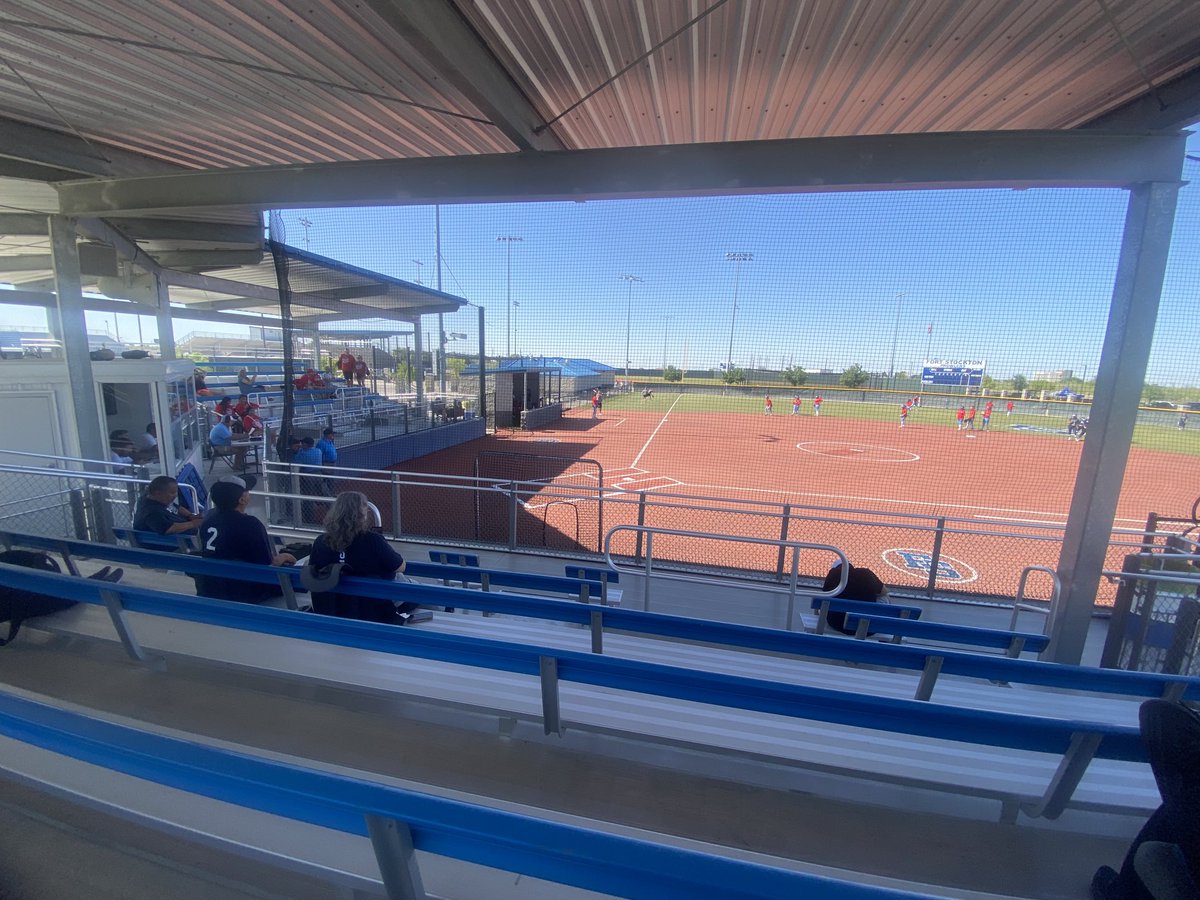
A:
(526, 396)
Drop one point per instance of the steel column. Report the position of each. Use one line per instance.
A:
(1149, 221)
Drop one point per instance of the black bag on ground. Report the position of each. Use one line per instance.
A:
(16, 604)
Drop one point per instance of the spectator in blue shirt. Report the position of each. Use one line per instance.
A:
(308, 454)
(327, 447)
(221, 438)
(308, 457)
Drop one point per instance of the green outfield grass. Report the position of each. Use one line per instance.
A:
(839, 406)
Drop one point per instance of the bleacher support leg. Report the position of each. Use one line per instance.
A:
(397, 858)
(823, 617)
(860, 630)
(598, 632)
(929, 676)
(289, 595)
(116, 611)
(1067, 777)
(551, 714)
(1015, 648)
(1174, 691)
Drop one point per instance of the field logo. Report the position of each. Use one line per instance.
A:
(917, 563)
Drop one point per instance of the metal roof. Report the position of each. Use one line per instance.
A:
(110, 100)
(220, 84)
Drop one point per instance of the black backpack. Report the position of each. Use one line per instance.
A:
(16, 604)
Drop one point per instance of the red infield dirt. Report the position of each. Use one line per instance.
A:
(912, 476)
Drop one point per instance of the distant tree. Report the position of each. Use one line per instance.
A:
(1039, 385)
(670, 373)
(403, 375)
(795, 376)
(734, 376)
(1019, 382)
(1153, 392)
(855, 376)
(988, 383)
(455, 365)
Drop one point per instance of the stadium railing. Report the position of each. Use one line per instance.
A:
(397, 821)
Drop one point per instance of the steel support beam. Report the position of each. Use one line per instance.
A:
(1023, 159)
(419, 374)
(1119, 382)
(166, 322)
(1168, 107)
(55, 150)
(30, 224)
(437, 32)
(72, 331)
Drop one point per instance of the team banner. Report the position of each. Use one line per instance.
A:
(966, 372)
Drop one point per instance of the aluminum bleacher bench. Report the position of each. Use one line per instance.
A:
(149, 540)
(611, 596)
(454, 558)
(1034, 761)
(928, 662)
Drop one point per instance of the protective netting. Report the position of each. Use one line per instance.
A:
(806, 351)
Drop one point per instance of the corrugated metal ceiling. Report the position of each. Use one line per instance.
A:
(223, 83)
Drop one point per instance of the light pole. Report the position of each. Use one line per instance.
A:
(666, 322)
(509, 240)
(629, 280)
(895, 338)
(738, 258)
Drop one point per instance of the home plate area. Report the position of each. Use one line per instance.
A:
(622, 481)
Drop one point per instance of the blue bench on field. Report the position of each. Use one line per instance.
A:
(1076, 742)
(930, 662)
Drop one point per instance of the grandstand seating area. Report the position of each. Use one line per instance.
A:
(935, 716)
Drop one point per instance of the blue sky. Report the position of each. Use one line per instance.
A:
(1019, 278)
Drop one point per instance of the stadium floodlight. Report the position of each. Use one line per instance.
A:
(737, 258)
(895, 337)
(418, 264)
(628, 279)
(508, 240)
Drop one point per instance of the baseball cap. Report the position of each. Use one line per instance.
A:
(245, 482)
(225, 494)
(328, 431)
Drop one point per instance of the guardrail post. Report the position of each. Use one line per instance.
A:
(294, 506)
(598, 632)
(116, 612)
(396, 531)
(935, 556)
(641, 521)
(512, 516)
(649, 570)
(79, 515)
(397, 858)
(783, 536)
(551, 714)
(102, 516)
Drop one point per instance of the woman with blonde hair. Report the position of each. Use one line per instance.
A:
(349, 539)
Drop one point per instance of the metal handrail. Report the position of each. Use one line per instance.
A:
(1154, 576)
(107, 477)
(78, 459)
(1055, 592)
(796, 547)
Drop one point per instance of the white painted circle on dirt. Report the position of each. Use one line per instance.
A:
(858, 452)
(916, 564)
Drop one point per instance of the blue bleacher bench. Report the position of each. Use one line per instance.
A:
(454, 558)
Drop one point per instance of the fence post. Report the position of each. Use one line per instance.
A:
(641, 521)
(783, 536)
(79, 515)
(512, 516)
(935, 556)
(102, 517)
(295, 506)
(396, 530)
